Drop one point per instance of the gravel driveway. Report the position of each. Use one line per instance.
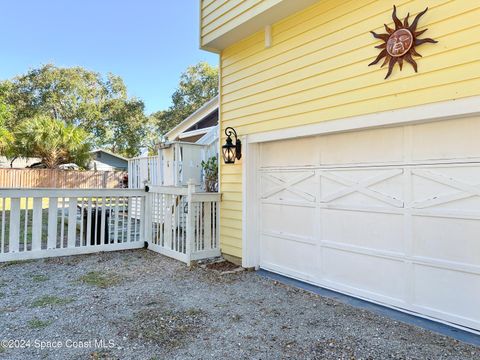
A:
(145, 306)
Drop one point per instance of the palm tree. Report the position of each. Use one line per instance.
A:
(53, 141)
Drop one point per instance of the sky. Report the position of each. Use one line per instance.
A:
(149, 43)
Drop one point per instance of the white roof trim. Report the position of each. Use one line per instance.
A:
(187, 134)
(210, 137)
(206, 109)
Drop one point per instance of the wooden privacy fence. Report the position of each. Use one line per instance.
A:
(60, 179)
(175, 221)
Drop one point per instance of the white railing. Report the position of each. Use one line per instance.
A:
(184, 223)
(36, 223)
(173, 166)
(174, 221)
(142, 170)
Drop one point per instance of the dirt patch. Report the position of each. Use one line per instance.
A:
(65, 260)
(222, 266)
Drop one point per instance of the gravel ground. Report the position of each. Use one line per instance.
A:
(145, 306)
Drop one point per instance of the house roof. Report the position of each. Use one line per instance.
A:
(205, 110)
(109, 153)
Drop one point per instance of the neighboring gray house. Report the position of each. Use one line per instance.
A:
(107, 161)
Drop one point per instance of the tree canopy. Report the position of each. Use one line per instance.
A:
(99, 105)
(197, 85)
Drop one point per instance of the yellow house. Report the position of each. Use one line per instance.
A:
(347, 180)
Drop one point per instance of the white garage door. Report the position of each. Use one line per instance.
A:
(391, 215)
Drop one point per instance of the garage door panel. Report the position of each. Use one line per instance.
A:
(365, 200)
(276, 153)
(364, 229)
(365, 187)
(289, 257)
(361, 271)
(449, 187)
(363, 147)
(451, 139)
(278, 219)
(289, 186)
(448, 239)
(451, 294)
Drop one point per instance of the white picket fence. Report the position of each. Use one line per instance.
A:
(184, 223)
(177, 222)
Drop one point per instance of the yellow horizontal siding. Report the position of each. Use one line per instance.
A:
(231, 250)
(221, 16)
(231, 169)
(317, 70)
(231, 214)
(254, 44)
(334, 93)
(232, 187)
(210, 3)
(231, 178)
(315, 49)
(220, 13)
(334, 70)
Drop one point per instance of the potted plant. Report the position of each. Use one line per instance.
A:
(210, 173)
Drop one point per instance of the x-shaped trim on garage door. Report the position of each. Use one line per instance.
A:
(288, 186)
(362, 187)
(466, 190)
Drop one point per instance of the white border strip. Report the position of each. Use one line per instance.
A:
(422, 113)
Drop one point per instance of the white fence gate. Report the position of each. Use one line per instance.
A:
(174, 221)
(184, 223)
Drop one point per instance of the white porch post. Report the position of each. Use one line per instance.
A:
(190, 223)
(148, 223)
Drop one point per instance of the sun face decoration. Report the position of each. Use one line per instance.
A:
(399, 43)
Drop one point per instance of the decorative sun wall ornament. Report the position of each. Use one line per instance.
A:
(399, 43)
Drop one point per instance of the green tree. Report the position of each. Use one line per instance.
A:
(198, 84)
(53, 141)
(6, 137)
(121, 136)
(100, 105)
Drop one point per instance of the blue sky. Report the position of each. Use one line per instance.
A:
(149, 43)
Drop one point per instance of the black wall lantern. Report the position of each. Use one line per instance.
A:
(230, 150)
